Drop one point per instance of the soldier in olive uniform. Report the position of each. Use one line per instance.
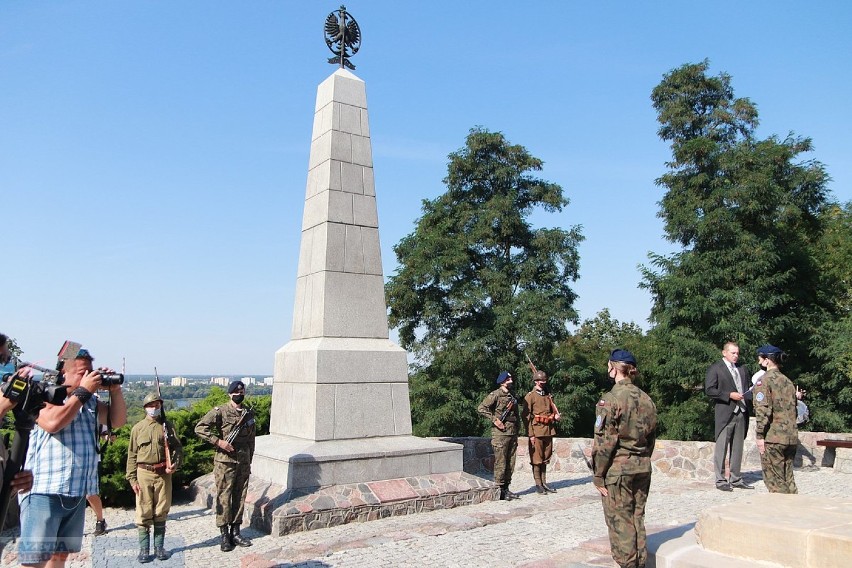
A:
(501, 408)
(540, 415)
(149, 471)
(231, 429)
(777, 433)
(625, 433)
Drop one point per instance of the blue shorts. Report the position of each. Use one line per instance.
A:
(50, 524)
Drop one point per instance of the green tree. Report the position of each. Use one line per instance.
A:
(476, 282)
(830, 387)
(584, 356)
(746, 213)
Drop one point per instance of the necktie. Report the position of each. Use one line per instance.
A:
(737, 383)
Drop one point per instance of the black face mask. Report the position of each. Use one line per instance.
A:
(762, 367)
(238, 398)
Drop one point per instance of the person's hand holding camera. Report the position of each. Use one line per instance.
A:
(7, 404)
(91, 381)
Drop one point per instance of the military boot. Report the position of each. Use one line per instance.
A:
(539, 487)
(144, 546)
(509, 495)
(238, 539)
(544, 479)
(159, 541)
(227, 544)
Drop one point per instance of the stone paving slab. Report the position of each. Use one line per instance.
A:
(537, 531)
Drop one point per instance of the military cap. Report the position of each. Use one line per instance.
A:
(622, 356)
(151, 397)
(235, 386)
(501, 378)
(768, 350)
(539, 376)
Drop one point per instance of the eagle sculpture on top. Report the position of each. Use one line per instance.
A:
(342, 36)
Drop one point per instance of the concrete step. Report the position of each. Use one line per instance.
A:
(678, 548)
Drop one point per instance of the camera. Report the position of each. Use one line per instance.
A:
(29, 395)
(110, 379)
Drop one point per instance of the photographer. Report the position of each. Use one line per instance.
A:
(63, 455)
(23, 480)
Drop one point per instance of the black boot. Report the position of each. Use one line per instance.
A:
(544, 479)
(159, 541)
(502, 492)
(144, 546)
(236, 538)
(509, 495)
(227, 544)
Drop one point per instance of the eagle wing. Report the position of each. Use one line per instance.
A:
(353, 33)
(332, 28)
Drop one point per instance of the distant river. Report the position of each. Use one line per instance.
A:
(185, 402)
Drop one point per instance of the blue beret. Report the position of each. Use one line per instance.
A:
(768, 350)
(622, 356)
(232, 388)
(501, 378)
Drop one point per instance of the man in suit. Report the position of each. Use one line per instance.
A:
(725, 384)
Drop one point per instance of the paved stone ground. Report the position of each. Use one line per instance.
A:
(565, 529)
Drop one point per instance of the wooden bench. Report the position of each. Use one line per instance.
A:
(829, 443)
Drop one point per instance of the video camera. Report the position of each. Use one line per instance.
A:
(30, 395)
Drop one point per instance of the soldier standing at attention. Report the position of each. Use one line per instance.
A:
(150, 476)
(231, 429)
(625, 433)
(540, 413)
(501, 408)
(777, 433)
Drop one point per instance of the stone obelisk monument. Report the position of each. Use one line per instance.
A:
(340, 446)
(340, 407)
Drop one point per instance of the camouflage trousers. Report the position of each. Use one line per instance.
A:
(155, 497)
(231, 488)
(624, 510)
(505, 449)
(777, 464)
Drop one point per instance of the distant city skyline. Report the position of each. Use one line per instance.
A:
(153, 156)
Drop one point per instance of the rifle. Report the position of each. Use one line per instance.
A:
(236, 431)
(165, 428)
(512, 403)
(532, 365)
(585, 459)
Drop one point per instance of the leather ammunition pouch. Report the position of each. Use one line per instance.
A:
(544, 419)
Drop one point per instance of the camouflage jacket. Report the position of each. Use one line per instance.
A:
(220, 423)
(493, 408)
(625, 433)
(775, 408)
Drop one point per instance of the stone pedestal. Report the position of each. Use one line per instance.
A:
(340, 409)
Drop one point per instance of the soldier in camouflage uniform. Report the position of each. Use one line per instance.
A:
(625, 433)
(150, 476)
(231, 429)
(777, 433)
(501, 409)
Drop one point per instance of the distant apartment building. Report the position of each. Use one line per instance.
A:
(249, 381)
(179, 381)
(268, 380)
(220, 381)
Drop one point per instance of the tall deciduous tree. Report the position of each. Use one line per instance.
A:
(477, 284)
(747, 214)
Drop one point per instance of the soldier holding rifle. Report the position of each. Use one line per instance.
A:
(501, 408)
(153, 454)
(540, 415)
(231, 429)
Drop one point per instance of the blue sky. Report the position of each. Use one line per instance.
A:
(153, 155)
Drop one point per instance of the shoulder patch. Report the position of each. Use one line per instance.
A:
(760, 397)
(598, 421)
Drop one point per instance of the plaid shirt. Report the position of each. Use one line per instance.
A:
(66, 463)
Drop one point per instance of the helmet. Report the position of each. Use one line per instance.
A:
(539, 376)
(151, 397)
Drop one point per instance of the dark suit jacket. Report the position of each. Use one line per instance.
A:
(718, 385)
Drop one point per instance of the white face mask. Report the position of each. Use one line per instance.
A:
(153, 412)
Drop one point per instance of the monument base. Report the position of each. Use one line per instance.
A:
(299, 484)
(274, 509)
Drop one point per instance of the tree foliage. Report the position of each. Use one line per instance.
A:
(477, 283)
(584, 356)
(747, 213)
